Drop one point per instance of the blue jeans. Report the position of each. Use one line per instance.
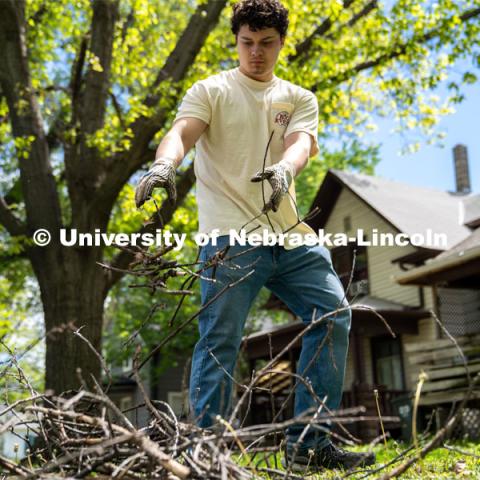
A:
(304, 279)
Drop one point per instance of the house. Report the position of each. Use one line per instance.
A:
(16, 441)
(454, 279)
(352, 202)
(454, 275)
(164, 386)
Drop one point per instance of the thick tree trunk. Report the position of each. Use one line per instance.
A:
(69, 358)
(73, 294)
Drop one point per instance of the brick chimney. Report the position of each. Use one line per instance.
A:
(462, 177)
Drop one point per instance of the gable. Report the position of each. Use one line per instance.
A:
(405, 208)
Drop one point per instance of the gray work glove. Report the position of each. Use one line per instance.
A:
(161, 174)
(280, 177)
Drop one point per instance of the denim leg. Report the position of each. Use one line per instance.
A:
(221, 328)
(306, 281)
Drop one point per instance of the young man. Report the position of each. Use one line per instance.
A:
(231, 117)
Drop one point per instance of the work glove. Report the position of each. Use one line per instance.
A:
(280, 177)
(161, 174)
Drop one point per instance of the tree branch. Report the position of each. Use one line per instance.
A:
(55, 132)
(123, 165)
(189, 44)
(175, 68)
(84, 166)
(89, 94)
(118, 110)
(395, 52)
(97, 80)
(76, 76)
(303, 47)
(38, 185)
(6, 261)
(12, 224)
(70, 146)
(369, 7)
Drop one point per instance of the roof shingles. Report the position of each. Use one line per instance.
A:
(409, 208)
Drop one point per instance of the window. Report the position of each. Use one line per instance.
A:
(387, 362)
(127, 365)
(175, 400)
(342, 258)
(125, 403)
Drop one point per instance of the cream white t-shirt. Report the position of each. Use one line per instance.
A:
(241, 114)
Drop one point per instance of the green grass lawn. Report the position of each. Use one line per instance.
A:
(438, 464)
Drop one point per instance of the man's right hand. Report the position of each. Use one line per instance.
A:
(161, 174)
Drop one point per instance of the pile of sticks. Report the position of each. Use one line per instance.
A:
(86, 432)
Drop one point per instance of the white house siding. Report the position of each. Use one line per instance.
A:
(381, 272)
(380, 268)
(428, 298)
(427, 330)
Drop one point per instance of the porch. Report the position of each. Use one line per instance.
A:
(275, 401)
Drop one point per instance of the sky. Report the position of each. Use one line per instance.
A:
(432, 166)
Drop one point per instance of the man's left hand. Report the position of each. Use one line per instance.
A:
(280, 177)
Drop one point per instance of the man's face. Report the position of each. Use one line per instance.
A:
(258, 52)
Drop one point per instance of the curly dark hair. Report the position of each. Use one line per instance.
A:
(259, 14)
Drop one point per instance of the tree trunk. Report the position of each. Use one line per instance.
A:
(73, 294)
(65, 352)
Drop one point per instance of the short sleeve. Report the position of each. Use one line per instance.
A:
(195, 104)
(305, 119)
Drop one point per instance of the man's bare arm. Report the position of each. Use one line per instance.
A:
(172, 150)
(297, 150)
(180, 139)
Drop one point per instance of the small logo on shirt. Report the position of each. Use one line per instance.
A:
(282, 118)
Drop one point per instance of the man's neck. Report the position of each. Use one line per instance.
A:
(267, 77)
